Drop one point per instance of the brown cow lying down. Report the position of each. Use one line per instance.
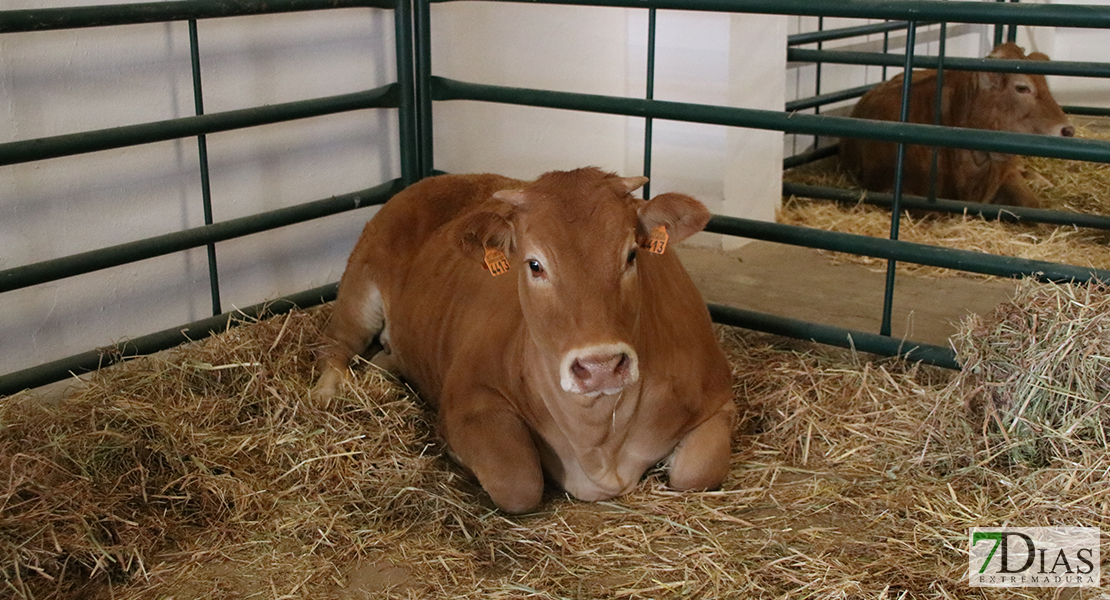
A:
(1005, 102)
(591, 359)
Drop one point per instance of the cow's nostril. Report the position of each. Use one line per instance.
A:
(1067, 131)
(622, 364)
(580, 372)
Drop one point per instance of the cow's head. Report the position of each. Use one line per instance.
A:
(575, 241)
(1021, 102)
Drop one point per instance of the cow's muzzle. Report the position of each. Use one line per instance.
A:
(599, 370)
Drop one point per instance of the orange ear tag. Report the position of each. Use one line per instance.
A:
(496, 262)
(657, 241)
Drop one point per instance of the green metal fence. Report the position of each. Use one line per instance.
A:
(398, 95)
(417, 90)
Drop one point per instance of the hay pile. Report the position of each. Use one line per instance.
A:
(1040, 369)
(1063, 185)
(206, 473)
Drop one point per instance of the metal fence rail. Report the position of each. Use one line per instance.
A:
(77, 17)
(842, 33)
(1035, 67)
(909, 133)
(113, 256)
(917, 11)
(162, 340)
(987, 211)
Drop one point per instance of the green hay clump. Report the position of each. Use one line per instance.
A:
(1040, 369)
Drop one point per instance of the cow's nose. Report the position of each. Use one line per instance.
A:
(1067, 131)
(601, 370)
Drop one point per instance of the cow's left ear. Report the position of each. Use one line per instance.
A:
(680, 214)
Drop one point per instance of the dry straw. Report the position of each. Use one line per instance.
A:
(208, 473)
(1063, 185)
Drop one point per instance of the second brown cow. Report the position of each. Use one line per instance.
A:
(530, 315)
(1014, 102)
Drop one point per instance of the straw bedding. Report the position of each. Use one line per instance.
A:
(206, 472)
(1063, 185)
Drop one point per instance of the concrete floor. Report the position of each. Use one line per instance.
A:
(801, 283)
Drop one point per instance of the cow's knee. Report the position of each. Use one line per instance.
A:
(1015, 191)
(516, 496)
(498, 448)
(701, 460)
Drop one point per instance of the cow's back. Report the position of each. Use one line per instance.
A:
(870, 161)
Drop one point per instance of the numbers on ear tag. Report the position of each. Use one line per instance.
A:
(657, 240)
(496, 262)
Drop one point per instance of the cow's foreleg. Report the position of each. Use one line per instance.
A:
(701, 460)
(357, 318)
(495, 445)
(1015, 191)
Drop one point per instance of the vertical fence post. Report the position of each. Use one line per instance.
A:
(899, 173)
(817, 79)
(649, 94)
(999, 30)
(406, 112)
(938, 100)
(205, 181)
(886, 48)
(422, 47)
(1011, 30)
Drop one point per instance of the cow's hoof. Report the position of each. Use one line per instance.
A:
(327, 387)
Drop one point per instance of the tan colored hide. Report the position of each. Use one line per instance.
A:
(591, 359)
(1004, 102)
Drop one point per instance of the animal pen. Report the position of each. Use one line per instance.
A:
(414, 97)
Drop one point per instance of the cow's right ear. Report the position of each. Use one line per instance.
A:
(485, 230)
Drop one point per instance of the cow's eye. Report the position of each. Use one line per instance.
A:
(536, 268)
(631, 257)
(1021, 88)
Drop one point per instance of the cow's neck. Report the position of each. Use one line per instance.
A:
(593, 429)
